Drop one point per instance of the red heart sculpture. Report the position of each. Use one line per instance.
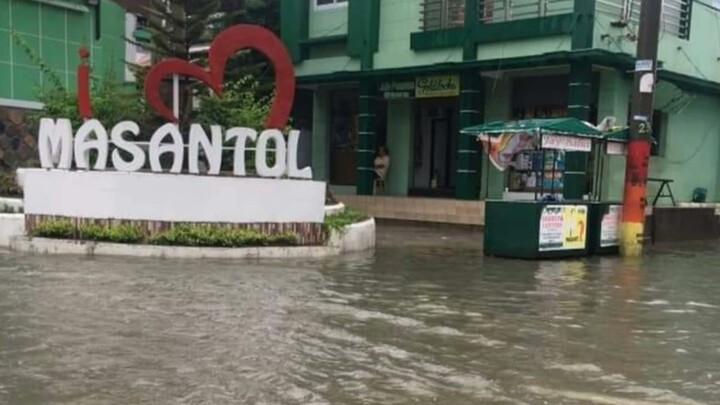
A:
(222, 48)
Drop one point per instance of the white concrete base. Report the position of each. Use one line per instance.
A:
(334, 209)
(357, 237)
(11, 226)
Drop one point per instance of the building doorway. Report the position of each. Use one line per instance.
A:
(435, 147)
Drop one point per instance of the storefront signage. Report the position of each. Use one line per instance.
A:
(610, 227)
(568, 143)
(397, 90)
(437, 86)
(58, 148)
(615, 148)
(563, 227)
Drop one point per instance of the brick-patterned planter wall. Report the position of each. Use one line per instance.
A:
(309, 234)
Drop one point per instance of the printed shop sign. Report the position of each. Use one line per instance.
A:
(397, 90)
(437, 86)
(616, 148)
(568, 143)
(63, 147)
(563, 227)
(610, 227)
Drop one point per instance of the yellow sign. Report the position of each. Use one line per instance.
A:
(437, 86)
(575, 227)
(563, 227)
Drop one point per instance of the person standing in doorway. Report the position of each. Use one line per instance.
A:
(382, 164)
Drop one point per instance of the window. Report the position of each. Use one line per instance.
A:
(442, 14)
(325, 4)
(675, 15)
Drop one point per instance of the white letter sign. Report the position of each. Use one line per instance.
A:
(55, 146)
(157, 148)
(280, 154)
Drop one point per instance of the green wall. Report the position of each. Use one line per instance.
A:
(696, 57)
(400, 144)
(55, 34)
(320, 150)
(691, 150)
(497, 108)
(530, 46)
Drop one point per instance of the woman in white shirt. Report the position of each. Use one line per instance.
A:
(382, 164)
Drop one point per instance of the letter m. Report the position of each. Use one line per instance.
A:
(55, 143)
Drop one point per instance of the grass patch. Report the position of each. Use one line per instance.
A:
(340, 220)
(178, 235)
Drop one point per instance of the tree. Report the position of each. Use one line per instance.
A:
(176, 27)
(260, 12)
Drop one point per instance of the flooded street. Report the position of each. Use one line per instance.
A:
(427, 319)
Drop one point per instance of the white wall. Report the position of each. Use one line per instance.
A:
(173, 198)
(11, 226)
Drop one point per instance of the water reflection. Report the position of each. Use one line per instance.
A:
(426, 320)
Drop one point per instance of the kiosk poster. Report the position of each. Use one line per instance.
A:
(563, 227)
(610, 227)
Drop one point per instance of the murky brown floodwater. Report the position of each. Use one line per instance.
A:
(427, 320)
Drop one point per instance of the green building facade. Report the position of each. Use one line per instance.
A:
(409, 74)
(52, 31)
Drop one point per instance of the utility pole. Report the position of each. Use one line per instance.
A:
(638, 148)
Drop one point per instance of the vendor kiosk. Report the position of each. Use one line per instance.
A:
(533, 220)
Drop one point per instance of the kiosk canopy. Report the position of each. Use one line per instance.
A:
(565, 126)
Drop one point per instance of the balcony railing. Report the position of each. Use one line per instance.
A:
(675, 15)
(441, 14)
(506, 10)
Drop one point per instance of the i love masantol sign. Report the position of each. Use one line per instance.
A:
(58, 148)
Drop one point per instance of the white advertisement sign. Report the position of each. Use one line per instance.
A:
(563, 227)
(616, 148)
(610, 227)
(568, 143)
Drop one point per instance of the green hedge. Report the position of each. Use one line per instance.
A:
(6, 209)
(178, 235)
(340, 220)
(210, 235)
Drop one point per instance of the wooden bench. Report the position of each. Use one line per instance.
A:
(664, 184)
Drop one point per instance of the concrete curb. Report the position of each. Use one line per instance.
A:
(11, 226)
(355, 238)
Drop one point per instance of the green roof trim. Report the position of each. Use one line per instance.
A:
(620, 61)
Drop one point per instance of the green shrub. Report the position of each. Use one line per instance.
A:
(54, 228)
(124, 233)
(8, 186)
(178, 235)
(218, 236)
(338, 221)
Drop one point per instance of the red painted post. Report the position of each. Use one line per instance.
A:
(83, 85)
(638, 154)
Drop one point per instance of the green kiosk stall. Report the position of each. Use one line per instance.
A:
(533, 220)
